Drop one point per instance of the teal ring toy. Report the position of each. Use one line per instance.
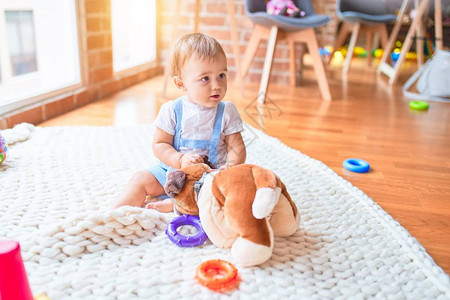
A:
(356, 165)
(418, 105)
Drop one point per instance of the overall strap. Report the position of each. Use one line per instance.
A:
(215, 136)
(195, 144)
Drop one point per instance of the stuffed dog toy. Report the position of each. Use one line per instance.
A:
(241, 207)
(284, 8)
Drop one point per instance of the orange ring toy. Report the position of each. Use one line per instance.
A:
(217, 275)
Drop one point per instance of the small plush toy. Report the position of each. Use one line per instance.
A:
(284, 8)
(241, 207)
(3, 149)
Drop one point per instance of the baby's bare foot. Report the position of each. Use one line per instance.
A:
(150, 199)
(163, 206)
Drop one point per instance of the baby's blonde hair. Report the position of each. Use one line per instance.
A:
(201, 45)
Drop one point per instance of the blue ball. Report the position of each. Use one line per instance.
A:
(395, 56)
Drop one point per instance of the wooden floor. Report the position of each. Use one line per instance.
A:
(409, 151)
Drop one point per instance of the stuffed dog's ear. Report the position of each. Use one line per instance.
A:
(175, 183)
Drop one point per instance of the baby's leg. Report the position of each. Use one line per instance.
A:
(142, 183)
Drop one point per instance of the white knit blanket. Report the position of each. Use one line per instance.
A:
(56, 187)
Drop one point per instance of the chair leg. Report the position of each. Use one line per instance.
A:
(197, 15)
(235, 39)
(438, 24)
(166, 80)
(173, 37)
(351, 48)
(313, 49)
(376, 40)
(408, 41)
(258, 33)
(301, 55)
(343, 32)
(271, 43)
(292, 64)
(420, 34)
(369, 37)
(384, 66)
(383, 33)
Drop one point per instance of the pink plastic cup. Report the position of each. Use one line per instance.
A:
(13, 278)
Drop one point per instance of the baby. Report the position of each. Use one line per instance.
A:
(198, 123)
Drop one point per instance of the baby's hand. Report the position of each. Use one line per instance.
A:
(190, 159)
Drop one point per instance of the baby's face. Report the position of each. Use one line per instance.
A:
(205, 81)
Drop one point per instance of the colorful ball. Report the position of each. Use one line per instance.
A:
(378, 53)
(2, 157)
(3, 149)
(328, 50)
(395, 54)
(411, 55)
(360, 52)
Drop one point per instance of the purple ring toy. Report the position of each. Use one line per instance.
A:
(182, 240)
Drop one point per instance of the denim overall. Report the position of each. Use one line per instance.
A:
(160, 171)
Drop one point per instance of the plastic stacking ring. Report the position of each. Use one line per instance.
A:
(356, 165)
(182, 240)
(217, 275)
(418, 105)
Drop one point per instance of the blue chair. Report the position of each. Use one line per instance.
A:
(370, 16)
(295, 30)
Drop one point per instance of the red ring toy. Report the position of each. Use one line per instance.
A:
(217, 275)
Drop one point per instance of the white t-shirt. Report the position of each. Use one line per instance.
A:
(197, 124)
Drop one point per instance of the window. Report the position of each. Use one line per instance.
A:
(22, 48)
(39, 50)
(133, 33)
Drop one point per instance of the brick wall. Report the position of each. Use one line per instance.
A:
(327, 7)
(214, 21)
(96, 41)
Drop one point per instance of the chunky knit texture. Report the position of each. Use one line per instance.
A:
(57, 186)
